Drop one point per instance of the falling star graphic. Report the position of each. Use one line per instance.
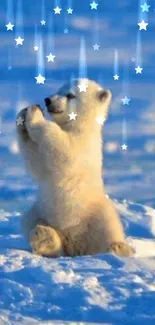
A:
(126, 84)
(19, 40)
(72, 116)
(96, 47)
(94, 5)
(36, 47)
(116, 75)
(50, 57)
(50, 47)
(9, 59)
(142, 25)
(20, 121)
(70, 6)
(96, 41)
(70, 11)
(125, 100)
(139, 70)
(145, 7)
(82, 86)
(19, 33)
(138, 62)
(72, 109)
(66, 18)
(82, 60)
(66, 31)
(57, 10)
(43, 22)
(43, 18)
(9, 15)
(100, 120)
(124, 135)
(9, 26)
(124, 146)
(40, 79)
(142, 14)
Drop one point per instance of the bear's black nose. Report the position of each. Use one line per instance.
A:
(47, 101)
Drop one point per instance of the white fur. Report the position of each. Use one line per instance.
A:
(66, 159)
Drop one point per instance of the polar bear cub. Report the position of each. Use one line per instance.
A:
(72, 214)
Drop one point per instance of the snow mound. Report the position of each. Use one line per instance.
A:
(93, 289)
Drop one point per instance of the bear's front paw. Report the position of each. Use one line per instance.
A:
(34, 114)
(20, 120)
(121, 249)
(45, 241)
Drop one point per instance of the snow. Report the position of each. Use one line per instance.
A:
(93, 289)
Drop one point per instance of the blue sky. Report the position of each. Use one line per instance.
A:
(114, 26)
(117, 29)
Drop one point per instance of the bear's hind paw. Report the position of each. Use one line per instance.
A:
(121, 249)
(45, 241)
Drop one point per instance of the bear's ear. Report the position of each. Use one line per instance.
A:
(103, 94)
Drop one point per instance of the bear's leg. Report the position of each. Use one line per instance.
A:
(46, 241)
(43, 239)
(105, 230)
(113, 231)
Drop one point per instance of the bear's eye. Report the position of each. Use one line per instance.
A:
(70, 96)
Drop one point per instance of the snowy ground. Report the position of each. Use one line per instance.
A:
(103, 288)
(100, 289)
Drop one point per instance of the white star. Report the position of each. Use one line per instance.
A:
(20, 121)
(138, 69)
(116, 77)
(57, 10)
(43, 22)
(82, 87)
(66, 31)
(36, 48)
(96, 47)
(72, 116)
(19, 41)
(100, 120)
(133, 59)
(50, 57)
(9, 26)
(142, 25)
(145, 7)
(125, 100)
(70, 10)
(124, 146)
(93, 5)
(40, 79)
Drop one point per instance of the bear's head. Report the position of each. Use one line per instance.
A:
(78, 101)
